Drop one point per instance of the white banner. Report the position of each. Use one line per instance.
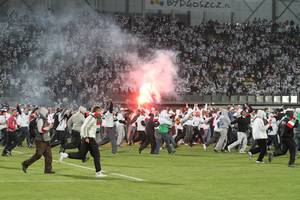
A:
(187, 4)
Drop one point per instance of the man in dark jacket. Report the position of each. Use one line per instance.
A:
(150, 131)
(243, 126)
(287, 139)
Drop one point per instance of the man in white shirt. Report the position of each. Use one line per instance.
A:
(61, 128)
(23, 123)
(141, 135)
(110, 129)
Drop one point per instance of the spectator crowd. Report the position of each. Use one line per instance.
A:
(76, 67)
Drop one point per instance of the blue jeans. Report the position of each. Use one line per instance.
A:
(297, 140)
(110, 137)
(158, 141)
(274, 139)
(167, 140)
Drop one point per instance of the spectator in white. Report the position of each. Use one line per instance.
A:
(205, 128)
(259, 133)
(188, 127)
(120, 126)
(216, 134)
(61, 128)
(224, 123)
(197, 121)
(140, 134)
(273, 131)
(178, 127)
(110, 129)
(23, 123)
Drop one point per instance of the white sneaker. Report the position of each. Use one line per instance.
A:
(242, 152)
(63, 156)
(204, 147)
(260, 162)
(250, 155)
(100, 174)
(228, 148)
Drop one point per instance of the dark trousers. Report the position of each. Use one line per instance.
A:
(196, 134)
(273, 139)
(12, 142)
(297, 140)
(149, 139)
(140, 136)
(110, 137)
(261, 149)
(126, 133)
(180, 135)
(42, 149)
(91, 147)
(56, 137)
(24, 133)
(287, 144)
(3, 139)
(62, 137)
(75, 141)
(131, 134)
(167, 140)
(59, 138)
(214, 138)
(189, 132)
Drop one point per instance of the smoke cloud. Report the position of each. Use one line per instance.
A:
(78, 41)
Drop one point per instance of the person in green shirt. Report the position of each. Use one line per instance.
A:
(164, 125)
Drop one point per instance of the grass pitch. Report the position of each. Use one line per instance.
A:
(189, 174)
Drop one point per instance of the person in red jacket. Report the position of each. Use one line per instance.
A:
(12, 139)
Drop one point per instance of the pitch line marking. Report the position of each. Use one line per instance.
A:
(88, 168)
(114, 174)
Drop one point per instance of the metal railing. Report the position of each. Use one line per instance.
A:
(222, 99)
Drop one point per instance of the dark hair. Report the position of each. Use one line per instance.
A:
(95, 108)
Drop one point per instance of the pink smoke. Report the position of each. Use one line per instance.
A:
(155, 78)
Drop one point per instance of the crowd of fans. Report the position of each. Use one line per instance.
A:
(254, 58)
(258, 57)
(229, 129)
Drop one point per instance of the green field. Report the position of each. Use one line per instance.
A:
(189, 174)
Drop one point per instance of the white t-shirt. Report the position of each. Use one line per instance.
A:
(23, 120)
(108, 120)
(139, 120)
(2, 122)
